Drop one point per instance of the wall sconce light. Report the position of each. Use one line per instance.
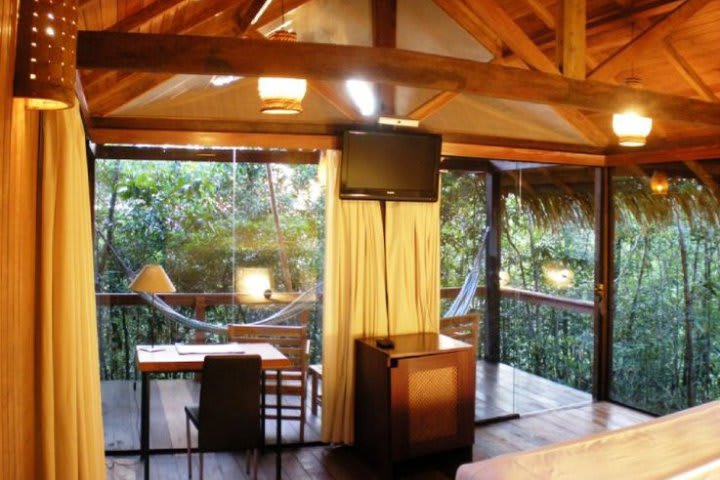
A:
(558, 275)
(504, 278)
(254, 282)
(45, 60)
(659, 183)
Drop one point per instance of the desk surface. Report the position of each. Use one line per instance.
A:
(167, 358)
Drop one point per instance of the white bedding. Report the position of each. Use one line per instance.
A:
(681, 446)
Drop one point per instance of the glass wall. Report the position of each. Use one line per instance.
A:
(547, 276)
(667, 296)
(202, 221)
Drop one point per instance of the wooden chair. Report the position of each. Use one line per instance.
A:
(315, 375)
(293, 342)
(463, 327)
(228, 415)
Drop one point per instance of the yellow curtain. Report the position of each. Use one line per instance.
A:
(353, 298)
(412, 236)
(71, 432)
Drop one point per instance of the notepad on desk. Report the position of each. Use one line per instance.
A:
(208, 349)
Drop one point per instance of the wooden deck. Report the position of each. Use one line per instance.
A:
(501, 390)
(338, 463)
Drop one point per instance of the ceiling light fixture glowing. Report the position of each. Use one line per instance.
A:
(363, 95)
(222, 80)
(280, 95)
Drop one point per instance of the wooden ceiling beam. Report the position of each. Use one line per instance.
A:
(668, 152)
(432, 106)
(704, 176)
(156, 131)
(516, 39)
(688, 73)
(573, 32)
(245, 14)
(122, 152)
(384, 29)
(648, 39)
(234, 56)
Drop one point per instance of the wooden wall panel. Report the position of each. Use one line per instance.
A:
(18, 178)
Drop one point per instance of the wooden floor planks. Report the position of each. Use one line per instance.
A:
(342, 463)
(501, 390)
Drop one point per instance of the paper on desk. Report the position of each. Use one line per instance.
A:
(208, 349)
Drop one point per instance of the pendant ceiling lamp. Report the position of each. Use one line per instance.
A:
(45, 60)
(659, 183)
(630, 126)
(279, 95)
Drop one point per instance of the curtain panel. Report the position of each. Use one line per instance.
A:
(71, 431)
(353, 298)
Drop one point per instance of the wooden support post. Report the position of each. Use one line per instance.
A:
(604, 273)
(491, 325)
(200, 306)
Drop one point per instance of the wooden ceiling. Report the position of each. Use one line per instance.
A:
(516, 79)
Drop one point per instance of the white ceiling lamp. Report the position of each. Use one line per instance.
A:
(630, 126)
(222, 80)
(362, 95)
(280, 95)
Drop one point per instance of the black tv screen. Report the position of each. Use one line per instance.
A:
(390, 166)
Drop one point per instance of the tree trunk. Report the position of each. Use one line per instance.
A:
(278, 233)
(641, 274)
(688, 356)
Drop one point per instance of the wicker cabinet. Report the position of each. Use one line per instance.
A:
(413, 400)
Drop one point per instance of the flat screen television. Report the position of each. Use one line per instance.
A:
(395, 166)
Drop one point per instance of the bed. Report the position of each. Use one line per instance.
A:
(684, 445)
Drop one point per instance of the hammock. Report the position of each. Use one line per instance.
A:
(302, 303)
(463, 301)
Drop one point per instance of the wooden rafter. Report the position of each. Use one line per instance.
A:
(461, 13)
(384, 28)
(688, 73)
(521, 181)
(600, 25)
(143, 16)
(432, 106)
(542, 13)
(234, 56)
(648, 39)
(516, 39)
(705, 177)
(330, 94)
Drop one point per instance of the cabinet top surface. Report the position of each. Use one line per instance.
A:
(415, 344)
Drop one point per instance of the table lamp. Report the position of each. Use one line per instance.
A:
(152, 279)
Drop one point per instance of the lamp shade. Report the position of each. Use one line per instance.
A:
(152, 279)
(45, 60)
(631, 128)
(253, 281)
(279, 95)
(659, 183)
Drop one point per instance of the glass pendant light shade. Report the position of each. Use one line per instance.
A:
(631, 129)
(659, 183)
(45, 60)
(279, 95)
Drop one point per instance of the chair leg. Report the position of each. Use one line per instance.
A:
(189, 448)
(313, 394)
(303, 406)
(256, 456)
(248, 454)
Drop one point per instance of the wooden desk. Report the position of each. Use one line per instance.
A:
(414, 400)
(165, 359)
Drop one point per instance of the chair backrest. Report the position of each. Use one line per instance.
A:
(463, 327)
(292, 341)
(229, 409)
